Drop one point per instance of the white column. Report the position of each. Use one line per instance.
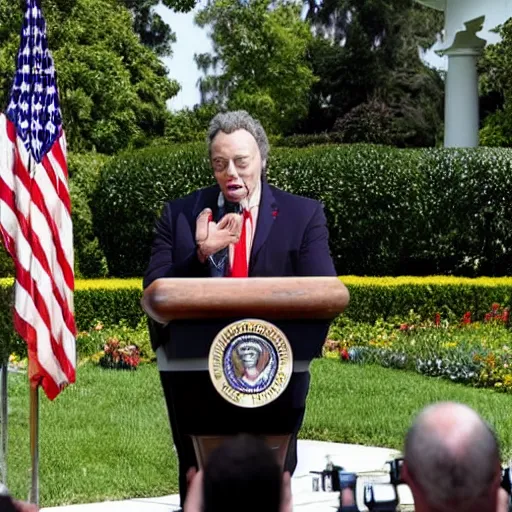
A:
(461, 99)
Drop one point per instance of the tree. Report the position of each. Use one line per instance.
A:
(190, 125)
(495, 68)
(113, 89)
(151, 28)
(366, 52)
(260, 50)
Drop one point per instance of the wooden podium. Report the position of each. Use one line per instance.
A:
(187, 314)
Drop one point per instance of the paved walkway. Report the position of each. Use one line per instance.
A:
(369, 462)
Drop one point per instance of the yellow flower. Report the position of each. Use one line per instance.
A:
(507, 380)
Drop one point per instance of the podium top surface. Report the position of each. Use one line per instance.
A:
(291, 298)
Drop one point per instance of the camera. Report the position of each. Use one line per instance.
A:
(378, 495)
(506, 483)
(328, 477)
(383, 497)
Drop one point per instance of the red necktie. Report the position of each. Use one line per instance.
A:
(240, 267)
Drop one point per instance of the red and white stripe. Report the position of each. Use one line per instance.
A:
(35, 221)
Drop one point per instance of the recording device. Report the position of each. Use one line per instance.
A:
(506, 483)
(383, 497)
(380, 497)
(395, 471)
(329, 478)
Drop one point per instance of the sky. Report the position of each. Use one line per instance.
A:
(191, 39)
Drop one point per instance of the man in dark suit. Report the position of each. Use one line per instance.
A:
(242, 227)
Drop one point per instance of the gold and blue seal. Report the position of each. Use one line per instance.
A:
(250, 363)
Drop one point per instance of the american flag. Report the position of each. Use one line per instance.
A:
(35, 211)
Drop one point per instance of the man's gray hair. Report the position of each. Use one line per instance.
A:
(229, 122)
(452, 474)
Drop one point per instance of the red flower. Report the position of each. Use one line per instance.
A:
(404, 327)
(344, 354)
(506, 314)
(467, 317)
(438, 319)
(488, 316)
(495, 307)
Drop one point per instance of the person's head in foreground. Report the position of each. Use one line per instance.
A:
(241, 474)
(452, 461)
(238, 148)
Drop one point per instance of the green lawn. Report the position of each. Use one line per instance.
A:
(107, 437)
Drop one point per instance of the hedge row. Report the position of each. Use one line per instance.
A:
(113, 301)
(390, 211)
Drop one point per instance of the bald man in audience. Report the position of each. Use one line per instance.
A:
(452, 462)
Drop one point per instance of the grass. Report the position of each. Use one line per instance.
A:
(107, 437)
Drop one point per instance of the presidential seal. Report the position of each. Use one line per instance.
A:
(250, 363)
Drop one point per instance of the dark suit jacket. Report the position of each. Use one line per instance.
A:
(291, 237)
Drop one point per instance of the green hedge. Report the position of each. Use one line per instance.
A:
(371, 299)
(108, 305)
(130, 194)
(84, 172)
(390, 211)
(368, 304)
(90, 261)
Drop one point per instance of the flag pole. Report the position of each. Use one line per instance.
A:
(34, 444)
(3, 420)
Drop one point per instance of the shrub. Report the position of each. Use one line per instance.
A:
(370, 122)
(6, 263)
(392, 299)
(374, 302)
(109, 302)
(389, 211)
(10, 342)
(369, 195)
(362, 188)
(189, 125)
(131, 191)
(306, 139)
(84, 172)
(464, 213)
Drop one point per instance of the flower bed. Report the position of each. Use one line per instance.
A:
(119, 356)
(477, 353)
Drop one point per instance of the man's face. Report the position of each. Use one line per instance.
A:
(248, 355)
(236, 162)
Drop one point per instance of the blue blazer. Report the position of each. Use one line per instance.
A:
(291, 237)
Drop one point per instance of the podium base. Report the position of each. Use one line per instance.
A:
(205, 445)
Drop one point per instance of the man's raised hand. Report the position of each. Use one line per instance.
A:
(212, 237)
